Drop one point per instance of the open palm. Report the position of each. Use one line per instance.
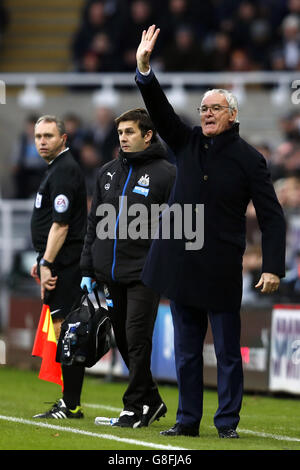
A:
(145, 48)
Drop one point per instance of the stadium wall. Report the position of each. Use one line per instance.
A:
(270, 346)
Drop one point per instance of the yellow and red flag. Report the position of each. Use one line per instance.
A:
(45, 346)
(41, 332)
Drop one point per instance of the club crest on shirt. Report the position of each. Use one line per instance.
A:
(144, 180)
(61, 203)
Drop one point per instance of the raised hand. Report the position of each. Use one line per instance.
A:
(146, 47)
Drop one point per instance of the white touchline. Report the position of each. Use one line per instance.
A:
(91, 434)
(271, 436)
(245, 431)
(103, 407)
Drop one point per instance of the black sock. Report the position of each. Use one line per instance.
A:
(73, 379)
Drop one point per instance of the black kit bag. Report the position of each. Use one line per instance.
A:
(85, 334)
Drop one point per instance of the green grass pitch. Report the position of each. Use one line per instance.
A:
(267, 423)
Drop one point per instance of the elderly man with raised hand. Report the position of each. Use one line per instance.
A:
(216, 168)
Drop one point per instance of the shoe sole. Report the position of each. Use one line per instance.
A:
(169, 434)
(135, 425)
(160, 413)
(172, 433)
(57, 415)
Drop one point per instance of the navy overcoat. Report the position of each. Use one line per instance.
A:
(223, 174)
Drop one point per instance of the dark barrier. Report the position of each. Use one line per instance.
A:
(263, 343)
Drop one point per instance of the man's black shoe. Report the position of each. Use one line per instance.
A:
(180, 430)
(127, 419)
(228, 434)
(152, 413)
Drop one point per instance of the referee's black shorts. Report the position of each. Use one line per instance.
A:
(66, 292)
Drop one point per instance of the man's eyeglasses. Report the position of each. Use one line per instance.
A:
(215, 108)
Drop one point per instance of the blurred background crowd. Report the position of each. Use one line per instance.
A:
(213, 35)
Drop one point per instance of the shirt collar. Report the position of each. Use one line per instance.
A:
(60, 153)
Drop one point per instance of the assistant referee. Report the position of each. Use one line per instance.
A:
(58, 227)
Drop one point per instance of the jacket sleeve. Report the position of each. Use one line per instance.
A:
(86, 260)
(167, 123)
(270, 219)
(171, 181)
(63, 187)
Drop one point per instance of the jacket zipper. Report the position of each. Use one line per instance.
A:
(117, 223)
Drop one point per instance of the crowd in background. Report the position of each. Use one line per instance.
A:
(210, 35)
(215, 35)
(284, 164)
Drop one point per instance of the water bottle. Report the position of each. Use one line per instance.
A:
(104, 421)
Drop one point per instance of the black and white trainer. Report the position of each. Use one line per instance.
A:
(60, 411)
(152, 413)
(128, 419)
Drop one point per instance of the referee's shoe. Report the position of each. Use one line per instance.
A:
(60, 411)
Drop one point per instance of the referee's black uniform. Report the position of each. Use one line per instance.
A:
(61, 198)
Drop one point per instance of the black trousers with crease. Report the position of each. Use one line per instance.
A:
(133, 310)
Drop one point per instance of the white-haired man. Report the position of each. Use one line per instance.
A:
(216, 168)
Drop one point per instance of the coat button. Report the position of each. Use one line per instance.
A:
(205, 177)
(206, 146)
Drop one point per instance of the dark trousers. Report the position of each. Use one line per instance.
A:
(66, 292)
(133, 310)
(190, 327)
